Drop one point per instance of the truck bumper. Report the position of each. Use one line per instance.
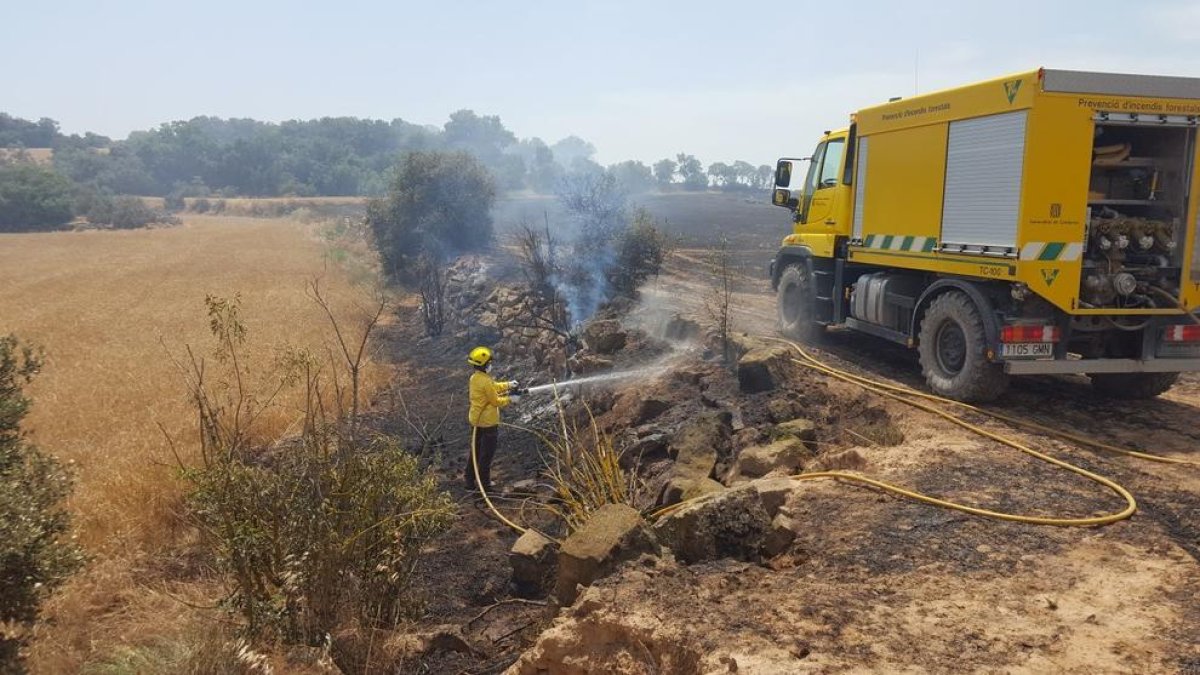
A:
(1062, 366)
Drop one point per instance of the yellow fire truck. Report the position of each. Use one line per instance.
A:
(1043, 222)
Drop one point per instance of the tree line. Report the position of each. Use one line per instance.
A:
(339, 156)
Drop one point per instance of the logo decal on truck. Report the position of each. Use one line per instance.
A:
(1010, 90)
(1049, 275)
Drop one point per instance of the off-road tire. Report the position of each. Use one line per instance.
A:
(953, 348)
(795, 303)
(1132, 386)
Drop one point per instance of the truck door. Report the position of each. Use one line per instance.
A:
(821, 186)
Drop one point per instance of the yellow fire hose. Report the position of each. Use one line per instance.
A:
(917, 399)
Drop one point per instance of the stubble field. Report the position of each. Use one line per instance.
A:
(114, 311)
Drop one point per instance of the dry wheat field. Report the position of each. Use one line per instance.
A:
(112, 309)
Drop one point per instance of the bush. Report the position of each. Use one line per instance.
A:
(438, 202)
(36, 555)
(641, 251)
(201, 205)
(174, 202)
(319, 530)
(126, 213)
(33, 198)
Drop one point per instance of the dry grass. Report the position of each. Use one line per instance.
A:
(107, 307)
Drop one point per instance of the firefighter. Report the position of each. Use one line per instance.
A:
(487, 397)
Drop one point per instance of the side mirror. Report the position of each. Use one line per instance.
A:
(783, 173)
(783, 197)
(785, 194)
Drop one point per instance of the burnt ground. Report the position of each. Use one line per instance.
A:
(873, 582)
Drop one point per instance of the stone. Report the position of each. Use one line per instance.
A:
(782, 409)
(534, 563)
(764, 368)
(614, 534)
(682, 489)
(781, 535)
(644, 450)
(589, 363)
(604, 336)
(727, 524)
(804, 430)
(786, 455)
(774, 492)
(648, 409)
(698, 445)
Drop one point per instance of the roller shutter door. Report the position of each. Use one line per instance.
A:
(984, 161)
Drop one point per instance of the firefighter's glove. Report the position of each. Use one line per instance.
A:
(513, 385)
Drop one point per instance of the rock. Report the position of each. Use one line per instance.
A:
(786, 455)
(774, 492)
(604, 336)
(534, 563)
(847, 459)
(589, 363)
(728, 524)
(781, 535)
(782, 409)
(645, 450)
(802, 429)
(682, 489)
(764, 368)
(615, 533)
(699, 444)
(648, 409)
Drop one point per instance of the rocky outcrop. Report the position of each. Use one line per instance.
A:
(764, 367)
(682, 489)
(614, 533)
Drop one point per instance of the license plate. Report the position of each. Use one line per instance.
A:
(1027, 350)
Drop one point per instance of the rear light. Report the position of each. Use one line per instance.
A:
(1029, 333)
(1182, 333)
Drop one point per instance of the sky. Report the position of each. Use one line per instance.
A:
(640, 80)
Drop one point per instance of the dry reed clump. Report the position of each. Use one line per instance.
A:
(107, 307)
(585, 470)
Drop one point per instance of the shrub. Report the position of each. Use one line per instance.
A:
(438, 202)
(36, 555)
(174, 201)
(126, 213)
(320, 529)
(201, 205)
(33, 198)
(641, 251)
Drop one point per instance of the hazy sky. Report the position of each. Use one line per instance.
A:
(643, 80)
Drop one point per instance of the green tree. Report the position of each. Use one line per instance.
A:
(723, 175)
(33, 198)
(633, 176)
(572, 148)
(36, 554)
(692, 172)
(438, 202)
(664, 171)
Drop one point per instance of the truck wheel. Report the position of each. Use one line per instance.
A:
(953, 349)
(795, 302)
(1132, 386)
